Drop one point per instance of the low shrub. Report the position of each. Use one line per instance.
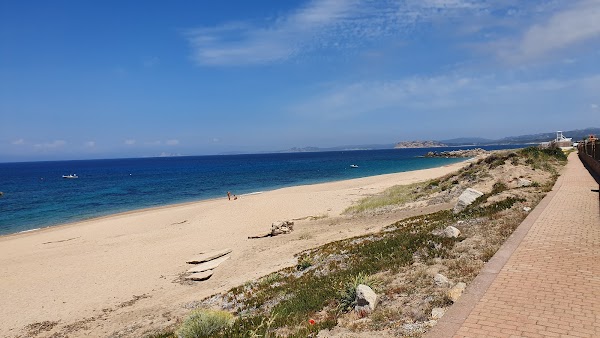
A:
(204, 323)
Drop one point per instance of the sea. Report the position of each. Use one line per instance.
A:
(35, 195)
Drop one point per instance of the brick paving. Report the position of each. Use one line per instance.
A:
(546, 280)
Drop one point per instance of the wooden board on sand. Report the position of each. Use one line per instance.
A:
(209, 256)
(200, 275)
(208, 265)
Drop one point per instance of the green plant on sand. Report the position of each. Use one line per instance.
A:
(204, 323)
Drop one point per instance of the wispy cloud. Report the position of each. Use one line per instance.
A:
(321, 24)
(129, 142)
(18, 142)
(594, 106)
(436, 94)
(568, 27)
(172, 142)
(51, 145)
(90, 144)
(150, 62)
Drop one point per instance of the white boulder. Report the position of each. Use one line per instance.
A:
(441, 280)
(456, 291)
(366, 299)
(451, 232)
(466, 198)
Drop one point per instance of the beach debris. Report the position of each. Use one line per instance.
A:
(200, 276)
(205, 264)
(437, 313)
(451, 232)
(466, 198)
(62, 240)
(277, 228)
(366, 299)
(208, 265)
(209, 256)
(184, 221)
(522, 182)
(441, 280)
(456, 291)
(281, 227)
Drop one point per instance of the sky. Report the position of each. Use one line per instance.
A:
(106, 79)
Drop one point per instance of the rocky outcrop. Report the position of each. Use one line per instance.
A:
(418, 144)
(281, 227)
(457, 153)
(466, 198)
(366, 299)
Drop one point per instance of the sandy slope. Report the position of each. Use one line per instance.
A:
(119, 274)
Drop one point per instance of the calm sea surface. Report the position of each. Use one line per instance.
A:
(36, 195)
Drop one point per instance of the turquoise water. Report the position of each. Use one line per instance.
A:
(36, 195)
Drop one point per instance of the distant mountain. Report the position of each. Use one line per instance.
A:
(419, 144)
(467, 140)
(576, 135)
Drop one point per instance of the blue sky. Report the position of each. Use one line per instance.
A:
(97, 79)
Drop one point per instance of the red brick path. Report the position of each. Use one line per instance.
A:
(550, 285)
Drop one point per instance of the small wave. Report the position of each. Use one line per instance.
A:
(20, 232)
(253, 193)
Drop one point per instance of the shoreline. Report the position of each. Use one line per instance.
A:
(95, 271)
(178, 204)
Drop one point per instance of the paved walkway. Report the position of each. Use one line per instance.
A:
(545, 280)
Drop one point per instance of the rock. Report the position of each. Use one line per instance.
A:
(366, 299)
(521, 182)
(281, 227)
(526, 209)
(199, 276)
(466, 198)
(456, 291)
(441, 280)
(457, 153)
(451, 232)
(437, 313)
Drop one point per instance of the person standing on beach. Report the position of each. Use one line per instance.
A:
(229, 195)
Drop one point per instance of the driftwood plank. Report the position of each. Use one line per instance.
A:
(208, 265)
(209, 256)
(200, 275)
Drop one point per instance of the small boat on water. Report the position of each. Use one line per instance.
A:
(353, 166)
(70, 176)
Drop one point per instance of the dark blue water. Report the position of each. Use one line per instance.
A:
(36, 195)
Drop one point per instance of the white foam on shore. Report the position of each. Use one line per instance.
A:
(253, 193)
(30, 230)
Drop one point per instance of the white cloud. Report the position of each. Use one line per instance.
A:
(51, 145)
(129, 142)
(90, 144)
(437, 94)
(172, 142)
(18, 142)
(564, 29)
(321, 24)
(594, 106)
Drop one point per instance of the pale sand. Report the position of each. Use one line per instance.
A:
(71, 273)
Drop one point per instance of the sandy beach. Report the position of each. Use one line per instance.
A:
(120, 275)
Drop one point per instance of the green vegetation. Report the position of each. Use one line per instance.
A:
(301, 300)
(203, 323)
(395, 195)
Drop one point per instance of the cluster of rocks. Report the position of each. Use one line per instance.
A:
(457, 153)
(281, 227)
(454, 292)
